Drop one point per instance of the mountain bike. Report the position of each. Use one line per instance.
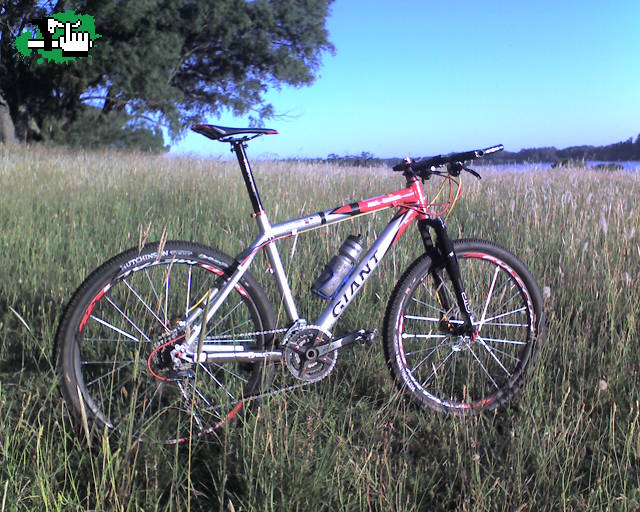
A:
(171, 340)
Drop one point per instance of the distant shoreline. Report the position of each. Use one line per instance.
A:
(617, 153)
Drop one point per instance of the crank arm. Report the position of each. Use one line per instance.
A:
(361, 336)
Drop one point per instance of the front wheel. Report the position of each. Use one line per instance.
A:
(432, 362)
(119, 338)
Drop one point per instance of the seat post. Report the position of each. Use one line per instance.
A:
(238, 147)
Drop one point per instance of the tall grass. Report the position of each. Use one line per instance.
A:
(570, 442)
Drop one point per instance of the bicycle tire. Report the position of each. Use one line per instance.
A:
(115, 374)
(456, 374)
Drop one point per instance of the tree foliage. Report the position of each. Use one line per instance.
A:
(160, 62)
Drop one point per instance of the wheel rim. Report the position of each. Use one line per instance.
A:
(122, 359)
(466, 372)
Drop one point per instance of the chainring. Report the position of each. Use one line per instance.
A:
(302, 360)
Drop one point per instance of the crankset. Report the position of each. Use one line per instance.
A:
(310, 355)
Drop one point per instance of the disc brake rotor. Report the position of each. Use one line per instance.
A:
(162, 364)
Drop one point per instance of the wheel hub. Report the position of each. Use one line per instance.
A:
(460, 345)
(163, 362)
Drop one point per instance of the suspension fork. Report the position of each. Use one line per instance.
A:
(443, 254)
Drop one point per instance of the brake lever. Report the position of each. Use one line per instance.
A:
(454, 168)
(471, 171)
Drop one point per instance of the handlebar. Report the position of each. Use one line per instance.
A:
(424, 167)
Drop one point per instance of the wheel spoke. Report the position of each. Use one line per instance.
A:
(107, 362)
(425, 349)
(234, 374)
(425, 318)
(422, 303)
(220, 385)
(105, 340)
(114, 328)
(225, 316)
(435, 369)
(166, 295)
(188, 304)
(133, 324)
(519, 310)
(453, 375)
(512, 285)
(433, 349)
(435, 320)
(191, 409)
(510, 342)
(210, 407)
(506, 354)
(153, 288)
(486, 347)
(143, 420)
(205, 286)
(482, 366)
(148, 405)
(486, 304)
(502, 324)
(109, 373)
(222, 334)
(163, 324)
(424, 336)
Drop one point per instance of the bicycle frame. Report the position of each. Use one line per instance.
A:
(411, 204)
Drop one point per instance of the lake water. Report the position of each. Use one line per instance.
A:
(627, 166)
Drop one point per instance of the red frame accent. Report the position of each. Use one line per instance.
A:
(412, 196)
(87, 313)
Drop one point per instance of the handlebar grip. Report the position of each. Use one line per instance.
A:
(467, 155)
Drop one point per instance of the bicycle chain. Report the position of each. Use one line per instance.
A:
(231, 336)
(273, 393)
(268, 393)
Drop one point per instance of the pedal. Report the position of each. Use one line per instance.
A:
(367, 337)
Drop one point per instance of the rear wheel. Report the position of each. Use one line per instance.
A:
(118, 338)
(445, 371)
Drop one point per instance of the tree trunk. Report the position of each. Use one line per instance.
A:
(7, 131)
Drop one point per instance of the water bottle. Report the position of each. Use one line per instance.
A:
(336, 271)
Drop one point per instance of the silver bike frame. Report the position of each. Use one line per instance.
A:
(269, 234)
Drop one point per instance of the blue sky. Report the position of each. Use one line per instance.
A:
(425, 77)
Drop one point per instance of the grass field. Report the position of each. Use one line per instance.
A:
(571, 441)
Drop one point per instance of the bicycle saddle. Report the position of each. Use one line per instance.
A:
(222, 132)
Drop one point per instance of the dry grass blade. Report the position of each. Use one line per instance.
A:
(143, 236)
(22, 320)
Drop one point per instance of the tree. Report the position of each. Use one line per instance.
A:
(161, 62)
(7, 130)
